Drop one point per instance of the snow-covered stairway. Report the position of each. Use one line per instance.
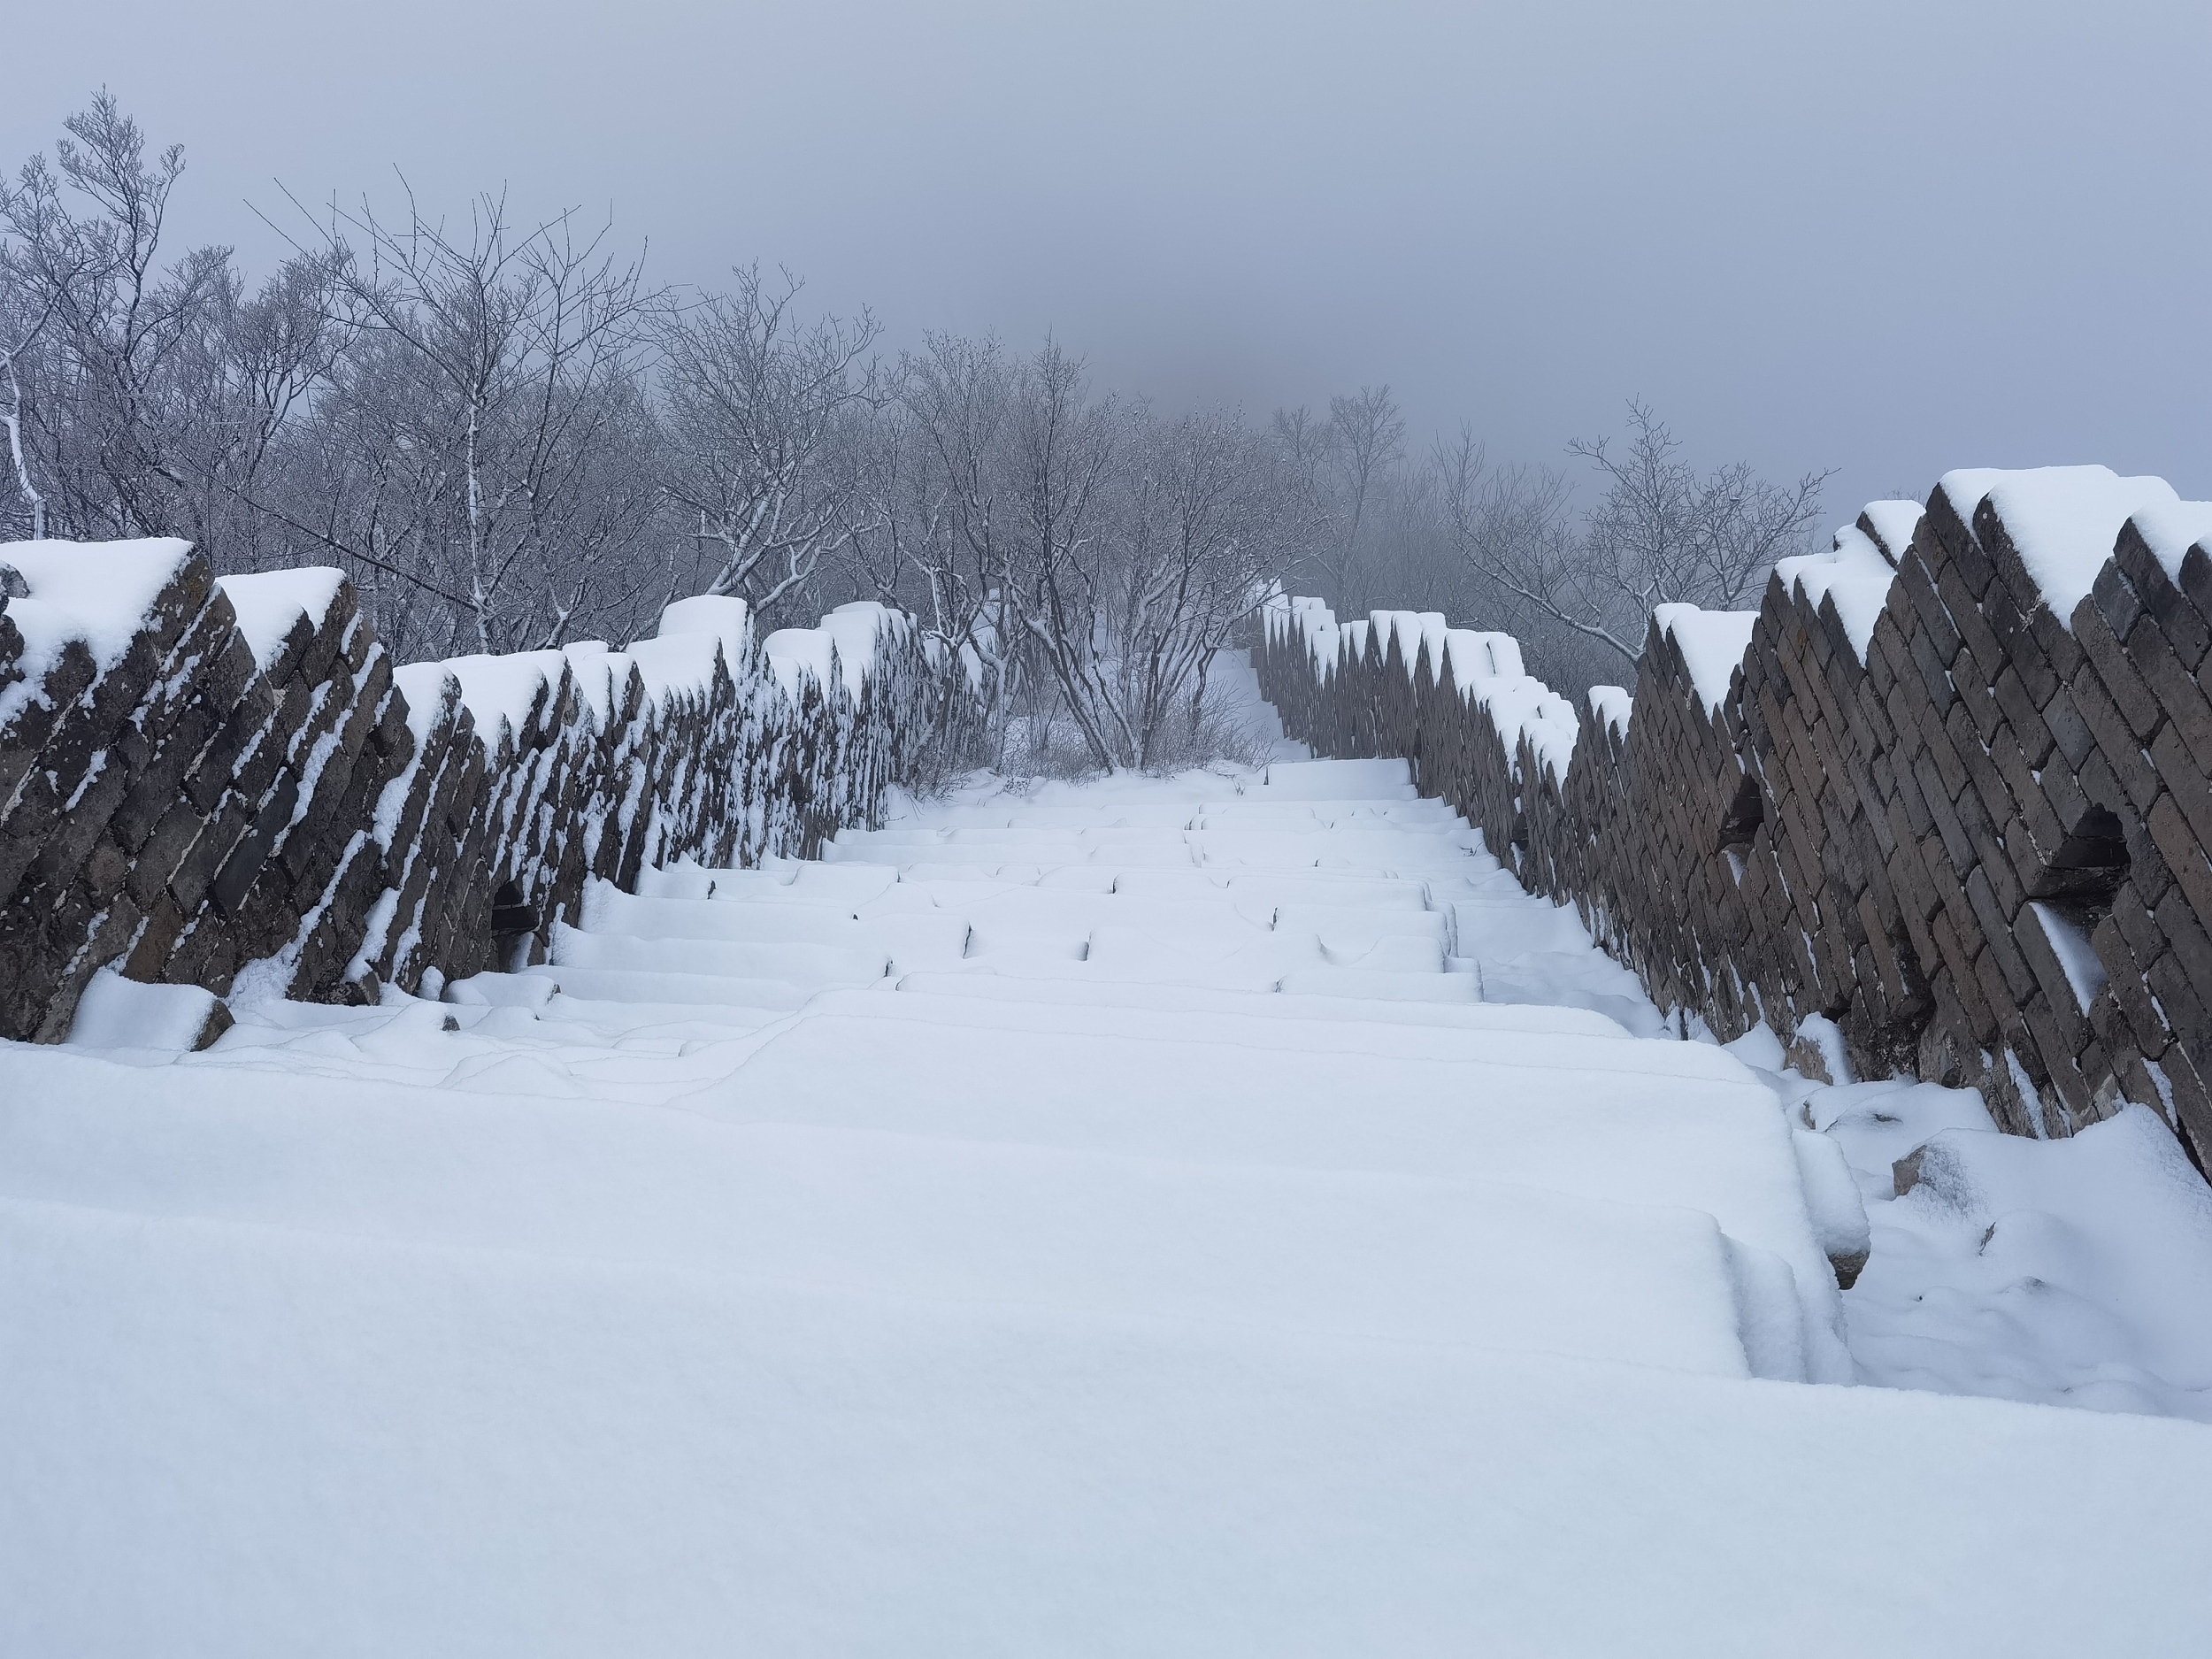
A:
(1208, 1216)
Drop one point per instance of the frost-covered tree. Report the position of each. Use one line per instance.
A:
(100, 327)
(766, 426)
(1343, 471)
(509, 439)
(1662, 534)
(490, 435)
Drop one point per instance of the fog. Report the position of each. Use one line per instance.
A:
(1884, 238)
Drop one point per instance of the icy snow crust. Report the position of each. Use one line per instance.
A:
(1205, 1216)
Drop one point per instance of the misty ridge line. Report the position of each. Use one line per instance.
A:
(509, 439)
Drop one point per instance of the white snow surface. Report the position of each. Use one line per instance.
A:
(2075, 1271)
(1412, 629)
(856, 626)
(1213, 1215)
(678, 665)
(796, 654)
(722, 617)
(852, 632)
(1523, 706)
(601, 675)
(1479, 654)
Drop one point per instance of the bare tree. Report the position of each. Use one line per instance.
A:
(1061, 447)
(110, 323)
(897, 544)
(764, 424)
(1662, 534)
(958, 393)
(508, 438)
(1512, 528)
(1204, 538)
(22, 318)
(498, 385)
(250, 371)
(1338, 469)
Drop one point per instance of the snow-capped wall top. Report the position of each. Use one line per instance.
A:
(2169, 529)
(1614, 706)
(856, 628)
(1325, 641)
(1855, 575)
(723, 617)
(794, 653)
(1712, 643)
(601, 675)
(680, 665)
(424, 686)
(94, 593)
(1479, 655)
(506, 688)
(269, 605)
(1523, 706)
(1410, 629)
(1891, 524)
(2062, 519)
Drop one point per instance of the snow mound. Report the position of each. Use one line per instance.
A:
(720, 617)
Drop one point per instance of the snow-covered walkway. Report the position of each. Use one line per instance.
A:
(1103, 1219)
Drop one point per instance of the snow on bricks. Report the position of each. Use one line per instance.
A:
(1946, 789)
(226, 784)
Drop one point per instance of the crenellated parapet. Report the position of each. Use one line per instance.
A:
(1948, 789)
(225, 782)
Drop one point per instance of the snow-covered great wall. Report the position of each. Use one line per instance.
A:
(212, 783)
(1946, 789)
(1183, 1216)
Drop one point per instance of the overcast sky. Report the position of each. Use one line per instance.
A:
(1887, 238)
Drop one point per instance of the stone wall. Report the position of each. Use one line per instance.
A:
(1947, 788)
(226, 783)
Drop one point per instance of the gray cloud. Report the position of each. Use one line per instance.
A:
(1889, 238)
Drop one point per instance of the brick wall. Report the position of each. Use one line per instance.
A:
(226, 783)
(1947, 788)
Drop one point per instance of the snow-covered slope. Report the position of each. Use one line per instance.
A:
(1137, 1217)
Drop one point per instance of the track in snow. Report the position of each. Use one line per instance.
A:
(1105, 1219)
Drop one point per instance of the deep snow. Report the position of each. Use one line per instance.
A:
(1215, 1215)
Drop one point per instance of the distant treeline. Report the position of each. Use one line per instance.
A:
(509, 437)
